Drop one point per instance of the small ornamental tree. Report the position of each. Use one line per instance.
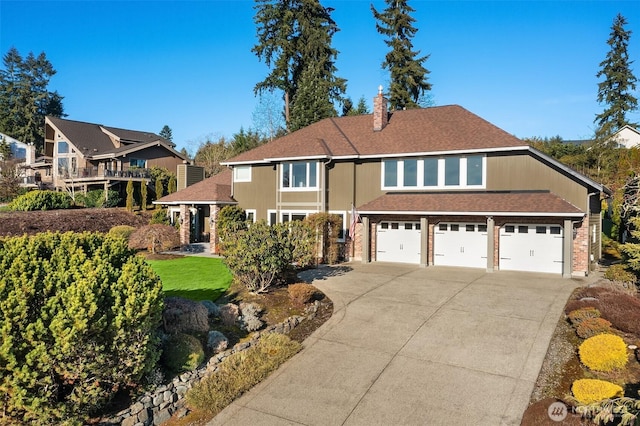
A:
(154, 238)
(130, 200)
(78, 315)
(143, 196)
(173, 186)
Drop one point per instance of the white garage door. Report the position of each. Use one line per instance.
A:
(460, 244)
(398, 242)
(536, 248)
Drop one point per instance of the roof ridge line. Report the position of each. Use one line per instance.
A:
(344, 135)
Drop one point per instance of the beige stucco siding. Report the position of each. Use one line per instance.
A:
(523, 172)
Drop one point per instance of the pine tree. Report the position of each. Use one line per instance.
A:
(408, 75)
(294, 40)
(24, 96)
(167, 133)
(616, 90)
(173, 187)
(159, 190)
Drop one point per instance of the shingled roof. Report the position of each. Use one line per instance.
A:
(416, 131)
(214, 190)
(502, 203)
(90, 139)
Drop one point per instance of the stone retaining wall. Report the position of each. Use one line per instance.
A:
(157, 407)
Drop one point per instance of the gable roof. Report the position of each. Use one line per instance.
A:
(93, 139)
(213, 190)
(499, 203)
(413, 132)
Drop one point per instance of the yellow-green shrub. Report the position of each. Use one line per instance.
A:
(588, 391)
(182, 352)
(604, 352)
(123, 231)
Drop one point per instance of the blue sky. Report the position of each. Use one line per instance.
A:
(526, 66)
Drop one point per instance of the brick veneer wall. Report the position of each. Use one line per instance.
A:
(581, 249)
(214, 240)
(185, 225)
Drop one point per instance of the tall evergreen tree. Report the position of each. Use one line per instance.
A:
(408, 75)
(166, 133)
(616, 90)
(294, 40)
(24, 96)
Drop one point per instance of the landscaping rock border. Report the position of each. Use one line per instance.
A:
(156, 407)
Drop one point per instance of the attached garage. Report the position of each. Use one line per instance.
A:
(531, 247)
(460, 244)
(398, 242)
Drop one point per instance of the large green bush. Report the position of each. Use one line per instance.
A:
(182, 352)
(96, 198)
(261, 254)
(78, 315)
(231, 219)
(42, 200)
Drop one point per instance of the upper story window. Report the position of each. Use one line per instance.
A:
(242, 174)
(135, 162)
(299, 175)
(63, 147)
(424, 173)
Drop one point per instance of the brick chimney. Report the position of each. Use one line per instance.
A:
(380, 115)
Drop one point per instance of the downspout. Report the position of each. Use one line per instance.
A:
(600, 239)
(323, 199)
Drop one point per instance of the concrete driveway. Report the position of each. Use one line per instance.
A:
(414, 346)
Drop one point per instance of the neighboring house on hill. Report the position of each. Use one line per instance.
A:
(433, 186)
(92, 156)
(25, 156)
(627, 137)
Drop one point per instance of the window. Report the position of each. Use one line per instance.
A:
(474, 170)
(554, 230)
(135, 162)
(523, 229)
(251, 216)
(452, 171)
(431, 172)
(408, 226)
(455, 227)
(242, 174)
(482, 228)
(442, 227)
(470, 228)
(273, 217)
(63, 147)
(541, 229)
(390, 173)
(384, 225)
(342, 231)
(410, 172)
(300, 175)
(394, 225)
(289, 216)
(509, 229)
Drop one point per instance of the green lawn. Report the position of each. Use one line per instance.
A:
(193, 277)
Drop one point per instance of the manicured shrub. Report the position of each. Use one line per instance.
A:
(301, 293)
(240, 372)
(143, 195)
(130, 200)
(96, 198)
(122, 231)
(159, 217)
(604, 352)
(579, 315)
(41, 200)
(618, 307)
(231, 219)
(592, 327)
(78, 315)
(619, 273)
(155, 238)
(182, 352)
(588, 391)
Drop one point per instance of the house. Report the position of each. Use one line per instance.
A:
(627, 137)
(24, 156)
(432, 186)
(92, 156)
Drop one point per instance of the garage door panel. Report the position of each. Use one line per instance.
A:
(535, 248)
(398, 242)
(460, 244)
